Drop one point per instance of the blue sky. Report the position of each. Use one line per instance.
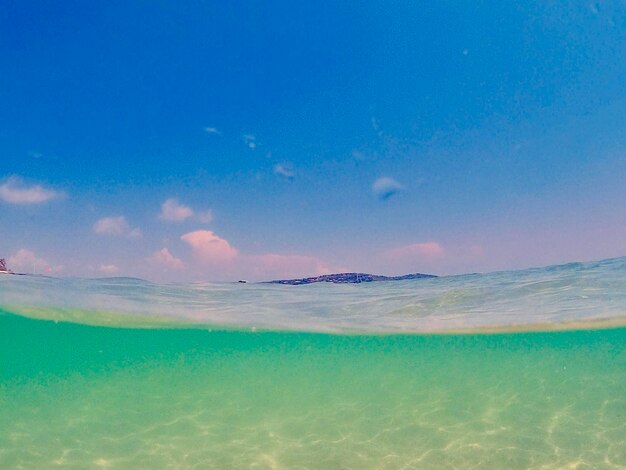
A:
(217, 141)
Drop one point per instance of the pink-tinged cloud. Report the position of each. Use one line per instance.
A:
(26, 261)
(421, 250)
(109, 269)
(205, 217)
(165, 258)
(15, 191)
(272, 265)
(476, 251)
(209, 247)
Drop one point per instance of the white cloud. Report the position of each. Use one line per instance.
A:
(358, 155)
(26, 261)
(173, 211)
(109, 269)
(165, 258)
(284, 171)
(385, 187)
(15, 191)
(212, 130)
(419, 250)
(116, 226)
(277, 266)
(250, 141)
(209, 247)
(375, 125)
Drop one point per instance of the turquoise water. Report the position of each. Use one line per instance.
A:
(506, 370)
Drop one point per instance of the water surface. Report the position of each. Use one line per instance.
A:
(122, 373)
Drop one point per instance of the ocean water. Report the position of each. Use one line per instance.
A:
(506, 370)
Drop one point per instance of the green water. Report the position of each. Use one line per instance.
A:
(94, 397)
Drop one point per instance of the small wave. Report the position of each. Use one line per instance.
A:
(574, 295)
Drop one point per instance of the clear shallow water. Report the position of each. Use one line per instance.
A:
(205, 391)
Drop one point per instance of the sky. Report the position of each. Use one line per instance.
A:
(216, 141)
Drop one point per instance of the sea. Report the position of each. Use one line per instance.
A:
(507, 370)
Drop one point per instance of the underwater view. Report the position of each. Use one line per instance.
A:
(519, 369)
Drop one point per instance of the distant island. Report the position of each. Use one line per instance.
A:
(3, 267)
(5, 270)
(349, 278)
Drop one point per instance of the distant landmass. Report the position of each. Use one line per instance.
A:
(349, 278)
